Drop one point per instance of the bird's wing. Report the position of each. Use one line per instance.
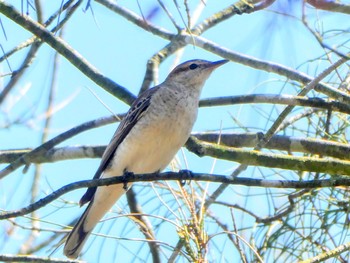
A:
(135, 112)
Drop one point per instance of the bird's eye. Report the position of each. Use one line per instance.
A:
(193, 66)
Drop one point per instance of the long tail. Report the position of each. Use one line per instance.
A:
(102, 201)
(78, 236)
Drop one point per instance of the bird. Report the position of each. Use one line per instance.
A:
(156, 126)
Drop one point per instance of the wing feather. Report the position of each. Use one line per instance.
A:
(136, 111)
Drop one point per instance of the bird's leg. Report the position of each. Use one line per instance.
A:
(125, 176)
(187, 174)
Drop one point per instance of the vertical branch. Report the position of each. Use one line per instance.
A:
(144, 224)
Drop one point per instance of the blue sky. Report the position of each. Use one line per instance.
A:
(120, 50)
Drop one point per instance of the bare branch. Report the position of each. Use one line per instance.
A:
(280, 142)
(26, 258)
(238, 8)
(44, 148)
(16, 75)
(35, 45)
(175, 176)
(310, 86)
(144, 224)
(137, 20)
(328, 254)
(31, 40)
(237, 140)
(269, 67)
(257, 158)
(68, 52)
(314, 102)
(329, 5)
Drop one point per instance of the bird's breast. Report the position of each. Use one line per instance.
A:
(156, 137)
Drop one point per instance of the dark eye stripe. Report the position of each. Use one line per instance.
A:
(178, 70)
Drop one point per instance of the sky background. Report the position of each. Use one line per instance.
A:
(120, 50)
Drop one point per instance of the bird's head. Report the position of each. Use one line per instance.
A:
(193, 72)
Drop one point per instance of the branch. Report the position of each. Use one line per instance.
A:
(329, 5)
(309, 146)
(267, 66)
(256, 158)
(176, 176)
(314, 83)
(44, 148)
(184, 38)
(135, 19)
(310, 86)
(154, 62)
(328, 254)
(33, 39)
(237, 140)
(25, 258)
(53, 155)
(68, 52)
(277, 99)
(270, 219)
(279, 142)
(17, 74)
(144, 224)
(237, 8)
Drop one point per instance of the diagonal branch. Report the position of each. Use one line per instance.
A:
(328, 254)
(33, 39)
(35, 45)
(269, 66)
(44, 148)
(144, 224)
(185, 39)
(68, 52)
(312, 84)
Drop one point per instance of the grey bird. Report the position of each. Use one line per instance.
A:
(156, 126)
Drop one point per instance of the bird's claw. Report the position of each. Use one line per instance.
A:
(185, 174)
(126, 175)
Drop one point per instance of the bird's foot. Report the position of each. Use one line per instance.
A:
(185, 174)
(126, 175)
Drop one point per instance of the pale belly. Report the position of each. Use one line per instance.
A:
(151, 148)
(146, 151)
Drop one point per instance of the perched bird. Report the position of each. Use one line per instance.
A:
(156, 126)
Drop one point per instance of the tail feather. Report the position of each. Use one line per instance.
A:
(102, 201)
(78, 236)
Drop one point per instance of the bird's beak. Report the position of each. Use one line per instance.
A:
(216, 64)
